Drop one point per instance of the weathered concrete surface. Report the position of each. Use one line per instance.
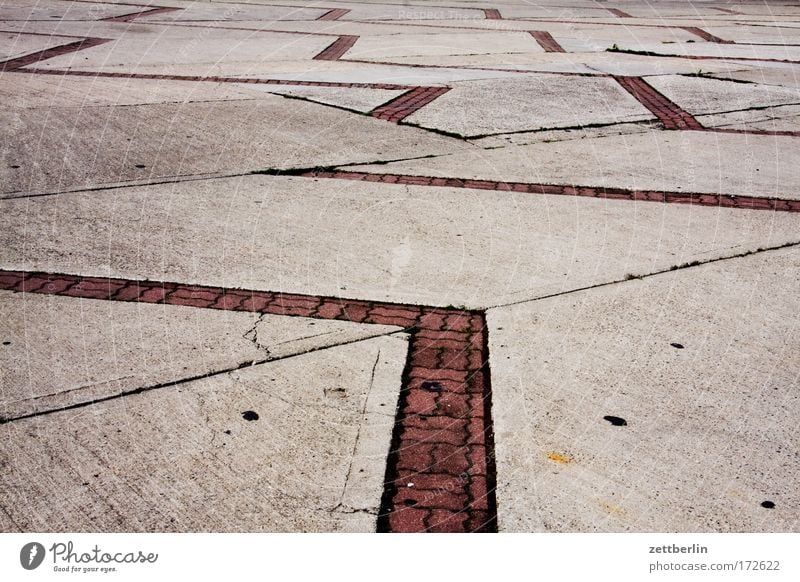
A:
(356, 99)
(106, 172)
(183, 458)
(531, 102)
(67, 148)
(698, 95)
(465, 42)
(710, 429)
(62, 352)
(409, 244)
(784, 118)
(689, 161)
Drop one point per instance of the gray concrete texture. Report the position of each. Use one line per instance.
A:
(183, 150)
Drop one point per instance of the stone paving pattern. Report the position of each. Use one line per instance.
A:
(474, 180)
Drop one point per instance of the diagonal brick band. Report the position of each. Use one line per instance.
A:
(440, 470)
(64, 49)
(334, 14)
(407, 103)
(337, 48)
(670, 114)
(546, 41)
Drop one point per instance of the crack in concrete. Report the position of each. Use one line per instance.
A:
(358, 430)
(631, 277)
(187, 379)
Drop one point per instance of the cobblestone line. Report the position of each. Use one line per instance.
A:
(17, 63)
(546, 41)
(337, 48)
(706, 35)
(439, 475)
(619, 13)
(720, 200)
(334, 14)
(140, 13)
(670, 115)
(404, 105)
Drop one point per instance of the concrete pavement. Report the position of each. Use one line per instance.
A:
(404, 266)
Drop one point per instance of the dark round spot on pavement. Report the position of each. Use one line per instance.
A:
(616, 420)
(140, 166)
(768, 504)
(250, 415)
(432, 386)
(409, 503)
(6, 343)
(677, 346)
(228, 431)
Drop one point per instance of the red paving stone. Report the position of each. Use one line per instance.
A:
(699, 199)
(334, 14)
(337, 48)
(670, 114)
(439, 473)
(707, 36)
(407, 103)
(546, 41)
(619, 13)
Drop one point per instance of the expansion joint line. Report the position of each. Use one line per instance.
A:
(139, 14)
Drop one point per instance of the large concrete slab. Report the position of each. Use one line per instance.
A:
(785, 118)
(529, 102)
(14, 45)
(187, 51)
(589, 63)
(60, 149)
(183, 458)
(62, 351)
(24, 90)
(445, 43)
(362, 100)
(699, 95)
(688, 161)
(409, 244)
(710, 433)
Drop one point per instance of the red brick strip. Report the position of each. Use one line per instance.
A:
(407, 103)
(334, 14)
(719, 200)
(17, 63)
(705, 35)
(619, 13)
(440, 470)
(670, 115)
(337, 48)
(139, 14)
(492, 14)
(546, 41)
